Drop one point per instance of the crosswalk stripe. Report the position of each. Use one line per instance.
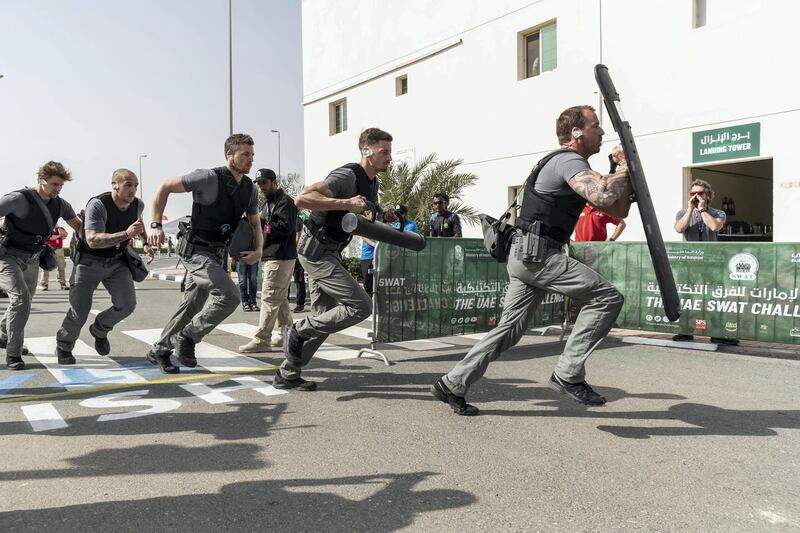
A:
(212, 358)
(329, 352)
(43, 417)
(89, 369)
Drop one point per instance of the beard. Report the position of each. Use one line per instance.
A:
(237, 168)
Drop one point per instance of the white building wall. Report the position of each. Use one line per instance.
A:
(466, 102)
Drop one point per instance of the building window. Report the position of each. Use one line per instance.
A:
(337, 112)
(401, 85)
(698, 13)
(537, 50)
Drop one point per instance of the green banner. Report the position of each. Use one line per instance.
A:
(745, 291)
(452, 287)
(733, 142)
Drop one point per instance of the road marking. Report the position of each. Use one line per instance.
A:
(212, 358)
(13, 381)
(90, 368)
(475, 336)
(43, 417)
(217, 396)
(422, 344)
(328, 352)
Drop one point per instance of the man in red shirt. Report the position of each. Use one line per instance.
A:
(56, 242)
(592, 225)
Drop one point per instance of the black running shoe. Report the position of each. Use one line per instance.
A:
(580, 392)
(4, 344)
(163, 361)
(280, 382)
(64, 357)
(101, 345)
(15, 362)
(457, 403)
(294, 347)
(184, 349)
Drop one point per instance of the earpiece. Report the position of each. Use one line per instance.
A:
(115, 186)
(230, 157)
(42, 181)
(576, 133)
(366, 152)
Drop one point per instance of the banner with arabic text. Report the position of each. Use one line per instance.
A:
(452, 287)
(734, 290)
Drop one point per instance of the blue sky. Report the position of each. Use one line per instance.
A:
(95, 83)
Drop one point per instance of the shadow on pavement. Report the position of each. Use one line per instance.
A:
(269, 505)
(151, 459)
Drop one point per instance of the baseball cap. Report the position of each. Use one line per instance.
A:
(265, 174)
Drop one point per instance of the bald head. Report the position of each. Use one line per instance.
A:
(124, 184)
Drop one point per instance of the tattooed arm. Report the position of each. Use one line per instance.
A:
(610, 194)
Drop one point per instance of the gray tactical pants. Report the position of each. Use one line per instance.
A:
(211, 296)
(86, 276)
(337, 302)
(528, 284)
(18, 278)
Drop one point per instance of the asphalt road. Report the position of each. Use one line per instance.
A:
(689, 441)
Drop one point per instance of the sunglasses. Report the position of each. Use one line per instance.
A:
(437, 202)
(697, 193)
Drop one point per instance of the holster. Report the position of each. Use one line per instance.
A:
(529, 246)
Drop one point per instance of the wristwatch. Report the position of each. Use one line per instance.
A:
(702, 209)
(155, 225)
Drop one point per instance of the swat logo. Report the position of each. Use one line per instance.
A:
(743, 267)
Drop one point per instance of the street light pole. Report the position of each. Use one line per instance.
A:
(141, 182)
(230, 68)
(279, 150)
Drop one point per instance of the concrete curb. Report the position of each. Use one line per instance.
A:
(177, 278)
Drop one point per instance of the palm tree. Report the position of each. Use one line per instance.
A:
(415, 187)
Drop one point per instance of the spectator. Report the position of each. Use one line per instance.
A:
(401, 210)
(56, 242)
(592, 224)
(148, 250)
(700, 222)
(443, 222)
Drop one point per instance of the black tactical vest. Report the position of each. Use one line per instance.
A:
(559, 214)
(332, 220)
(213, 224)
(116, 220)
(32, 232)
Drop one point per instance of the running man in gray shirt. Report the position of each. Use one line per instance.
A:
(220, 197)
(564, 184)
(30, 216)
(111, 220)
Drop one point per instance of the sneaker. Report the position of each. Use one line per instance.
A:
(15, 362)
(4, 345)
(255, 346)
(162, 361)
(101, 344)
(246, 308)
(580, 392)
(457, 403)
(254, 307)
(64, 357)
(682, 337)
(277, 342)
(298, 309)
(42, 288)
(64, 287)
(294, 347)
(184, 349)
(280, 382)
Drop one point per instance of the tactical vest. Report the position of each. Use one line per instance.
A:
(213, 224)
(438, 224)
(116, 220)
(558, 214)
(332, 220)
(32, 232)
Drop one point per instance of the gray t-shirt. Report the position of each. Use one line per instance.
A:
(15, 203)
(203, 184)
(554, 177)
(697, 229)
(342, 183)
(96, 216)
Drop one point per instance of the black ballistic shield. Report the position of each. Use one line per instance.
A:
(378, 231)
(655, 243)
